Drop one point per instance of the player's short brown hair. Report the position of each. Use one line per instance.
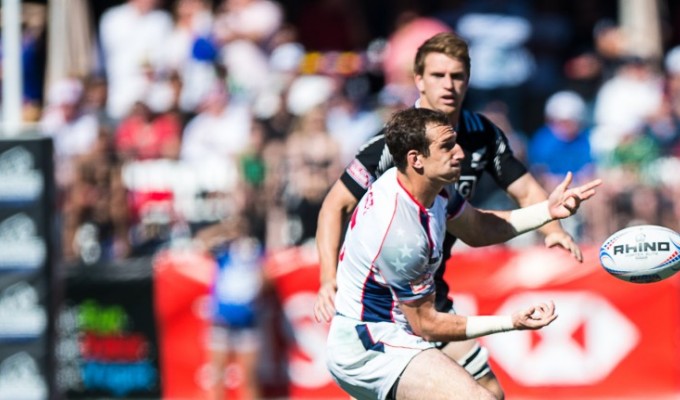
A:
(446, 43)
(406, 131)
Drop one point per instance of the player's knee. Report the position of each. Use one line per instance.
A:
(490, 382)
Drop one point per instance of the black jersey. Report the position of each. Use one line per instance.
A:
(486, 149)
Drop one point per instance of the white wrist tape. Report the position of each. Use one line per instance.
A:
(485, 325)
(529, 218)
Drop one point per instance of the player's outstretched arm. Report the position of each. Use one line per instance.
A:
(337, 205)
(484, 227)
(435, 326)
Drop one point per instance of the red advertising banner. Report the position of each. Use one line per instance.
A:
(182, 282)
(295, 273)
(612, 339)
(181, 286)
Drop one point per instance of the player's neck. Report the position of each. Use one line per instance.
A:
(421, 189)
(453, 117)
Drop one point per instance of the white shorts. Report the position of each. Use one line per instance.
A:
(366, 358)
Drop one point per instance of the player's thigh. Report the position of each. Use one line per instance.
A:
(433, 375)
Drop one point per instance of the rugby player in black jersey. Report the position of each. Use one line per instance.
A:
(441, 73)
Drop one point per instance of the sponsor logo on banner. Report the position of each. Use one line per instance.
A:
(20, 378)
(20, 246)
(98, 352)
(20, 182)
(21, 315)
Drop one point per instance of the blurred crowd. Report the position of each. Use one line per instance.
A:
(202, 110)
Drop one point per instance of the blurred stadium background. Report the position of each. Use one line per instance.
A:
(132, 128)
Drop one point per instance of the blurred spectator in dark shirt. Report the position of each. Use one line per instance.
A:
(95, 214)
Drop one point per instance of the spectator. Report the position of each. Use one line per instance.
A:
(144, 135)
(219, 132)
(95, 93)
(350, 120)
(191, 51)
(235, 298)
(96, 217)
(624, 103)
(74, 132)
(498, 33)
(562, 143)
(132, 36)
(243, 30)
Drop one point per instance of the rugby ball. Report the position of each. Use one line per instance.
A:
(642, 254)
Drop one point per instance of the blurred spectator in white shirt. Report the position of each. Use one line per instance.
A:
(191, 51)
(132, 36)
(624, 103)
(217, 135)
(243, 30)
(73, 132)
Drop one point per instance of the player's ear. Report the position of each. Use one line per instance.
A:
(414, 159)
(418, 80)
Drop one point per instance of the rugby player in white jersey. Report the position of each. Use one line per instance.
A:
(442, 72)
(381, 343)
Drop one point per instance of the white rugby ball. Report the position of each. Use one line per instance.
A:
(642, 254)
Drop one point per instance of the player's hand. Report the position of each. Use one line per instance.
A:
(564, 202)
(324, 307)
(535, 317)
(564, 240)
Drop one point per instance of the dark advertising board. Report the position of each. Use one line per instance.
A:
(27, 294)
(107, 346)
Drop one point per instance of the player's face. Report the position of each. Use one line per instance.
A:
(444, 162)
(443, 84)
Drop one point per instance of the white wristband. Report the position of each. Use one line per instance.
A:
(529, 218)
(485, 325)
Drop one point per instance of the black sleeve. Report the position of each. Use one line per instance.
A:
(503, 167)
(372, 159)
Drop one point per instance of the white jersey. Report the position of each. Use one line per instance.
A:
(391, 251)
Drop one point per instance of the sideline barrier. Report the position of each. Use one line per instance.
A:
(27, 273)
(612, 339)
(107, 341)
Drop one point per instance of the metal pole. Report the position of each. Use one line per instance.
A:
(11, 66)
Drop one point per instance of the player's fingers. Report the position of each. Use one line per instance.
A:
(547, 308)
(566, 182)
(322, 314)
(590, 186)
(571, 247)
(576, 252)
(569, 204)
(318, 312)
(550, 307)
